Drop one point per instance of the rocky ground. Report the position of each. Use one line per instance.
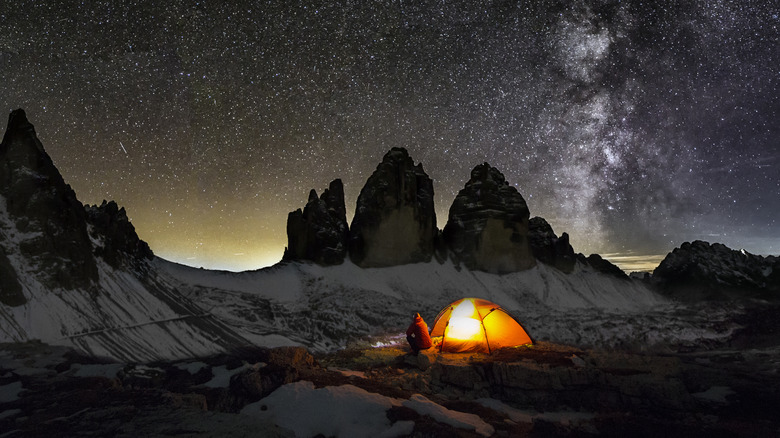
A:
(540, 390)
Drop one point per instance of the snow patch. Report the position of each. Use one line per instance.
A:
(10, 392)
(280, 282)
(9, 413)
(420, 404)
(716, 394)
(526, 416)
(341, 411)
(96, 370)
(191, 367)
(222, 375)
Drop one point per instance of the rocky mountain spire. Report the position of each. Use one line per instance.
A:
(487, 229)
(48, 222)
(395, 220)
(319, 232)
(548, 248)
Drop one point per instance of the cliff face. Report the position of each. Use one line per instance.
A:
(487, 229)
(549, 248)
(395, 220)
(319, 233)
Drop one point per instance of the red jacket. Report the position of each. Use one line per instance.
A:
(420, 331)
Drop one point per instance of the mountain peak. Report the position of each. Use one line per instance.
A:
(21, 146)
(41, 206)
(486, 173)
(487, 229)
(395, 219)
(17, 124)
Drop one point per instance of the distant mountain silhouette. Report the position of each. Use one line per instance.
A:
(700, 270)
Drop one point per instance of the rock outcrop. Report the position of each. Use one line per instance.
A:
(48, 223)
(395, 221)
(487, 229)
(548, 248)
(319, 233)
(700, 270)
(602, 265)
(10, 289)
(119, 239)
(558, 252)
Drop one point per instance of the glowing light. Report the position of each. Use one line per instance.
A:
(463, 328)
(464, 323)
(465, 309)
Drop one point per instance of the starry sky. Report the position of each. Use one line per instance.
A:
(632, 125)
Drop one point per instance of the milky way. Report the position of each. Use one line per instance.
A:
(633, 126)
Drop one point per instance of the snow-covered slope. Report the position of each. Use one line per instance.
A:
(124, 317)
(126, 314)
(167, 311)
(324, 307)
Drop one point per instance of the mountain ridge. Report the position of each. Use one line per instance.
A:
(488, 229)
(134, 306)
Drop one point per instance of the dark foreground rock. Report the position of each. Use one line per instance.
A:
(543, 390)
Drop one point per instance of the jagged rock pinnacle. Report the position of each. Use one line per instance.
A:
(319, 232)
(42, 206)
(487, 229)
(395, 220)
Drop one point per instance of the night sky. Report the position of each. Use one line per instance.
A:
(632, 125)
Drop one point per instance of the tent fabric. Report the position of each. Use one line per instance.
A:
(477, 325)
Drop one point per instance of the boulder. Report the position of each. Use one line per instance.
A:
(422, 360)
(44, 210)
(395, 220)
(282, 365)
(319, 232)
(487, 229)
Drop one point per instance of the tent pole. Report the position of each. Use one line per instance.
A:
(443, 333)
(484, 331)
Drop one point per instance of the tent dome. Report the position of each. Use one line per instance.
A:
(477, 325)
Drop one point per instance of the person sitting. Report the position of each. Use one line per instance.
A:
(417, 334)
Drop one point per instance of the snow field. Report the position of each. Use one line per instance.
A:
(349, 411)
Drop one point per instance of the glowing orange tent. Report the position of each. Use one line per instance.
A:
(474, 324)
